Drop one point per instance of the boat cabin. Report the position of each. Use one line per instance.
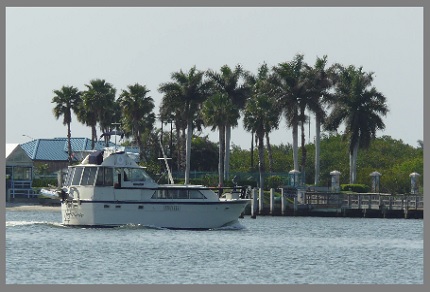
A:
(90, 175)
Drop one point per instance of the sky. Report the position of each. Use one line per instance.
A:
(47, 48)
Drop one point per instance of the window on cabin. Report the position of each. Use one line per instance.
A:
(135, 174)
(104, 176)
(195, 194)
(88, 176)
(108, 179)
(69, 176)
(77, 176)
(178, 194)
(100, 176)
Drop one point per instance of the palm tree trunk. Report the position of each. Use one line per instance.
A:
(261, 158)
(188, 151)
(317, 149)
(269, 152)
(178, 145)
(353, 164)
(227, 152)
(303, 164)
(252, 151)
(295, 147)
(183, 148)
(221, 156)
(93, 136)
(69, 144)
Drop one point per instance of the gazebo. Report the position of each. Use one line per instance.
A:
(19, 172)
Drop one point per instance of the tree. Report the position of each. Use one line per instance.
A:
(98, 101)
(261, 83)
(227, 82)
(360, 107)
(260, 114)
(66, 100)
(219, 112)
(188, 91)
(319, 80)
(290, 89)
(137, 113)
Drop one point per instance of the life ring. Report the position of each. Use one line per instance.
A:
(120, 160)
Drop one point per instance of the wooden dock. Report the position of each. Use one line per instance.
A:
(325, 204)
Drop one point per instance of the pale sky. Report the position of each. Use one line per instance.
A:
(47, 48)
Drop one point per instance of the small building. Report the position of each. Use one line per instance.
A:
(19, 172)
(53, 153)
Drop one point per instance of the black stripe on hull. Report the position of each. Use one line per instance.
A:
(158, 203)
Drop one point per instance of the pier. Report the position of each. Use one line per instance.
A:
(327, 204)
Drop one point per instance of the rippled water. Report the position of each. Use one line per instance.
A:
(266, 250)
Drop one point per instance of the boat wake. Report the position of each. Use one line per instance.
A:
(32, 223)
(234, 226)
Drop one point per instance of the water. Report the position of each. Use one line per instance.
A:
(266, 250)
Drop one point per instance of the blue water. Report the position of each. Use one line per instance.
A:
(266, 250)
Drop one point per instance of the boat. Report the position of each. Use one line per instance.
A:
(109, 189)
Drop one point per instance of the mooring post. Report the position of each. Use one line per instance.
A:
(261, 199)
(282, 202)
(272, 203)
(370, 202)
(295, 204)
(359, 201)
(254, 204)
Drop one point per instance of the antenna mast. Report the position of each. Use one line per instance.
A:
(116, 129)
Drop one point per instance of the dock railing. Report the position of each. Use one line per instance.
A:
(364, 201)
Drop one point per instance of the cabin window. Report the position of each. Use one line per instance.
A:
(69, 177)
(108, 179)
(179, 194)
(100, 176)
(195, 194)
(135, 174)
(104, 177)
(77, 176)
(88, 176)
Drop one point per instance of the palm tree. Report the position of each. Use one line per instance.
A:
(360, 107)
(188, 91)
(98, 99)
(171, 110)
(66, 100)
(261, 83)
(218, 111)
(227, 82)
(137, 112)
(320, 80)
(261, 116)
(290, 89)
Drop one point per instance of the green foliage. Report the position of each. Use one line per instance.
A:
(204, 154)
(41, 168)
(274, 181)
(392, 158)
(357, 188)
(43, 182)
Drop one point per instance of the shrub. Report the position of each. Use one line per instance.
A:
(44, 182)
(357, 188)
(274, 181)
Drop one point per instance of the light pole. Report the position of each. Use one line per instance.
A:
(24, 135)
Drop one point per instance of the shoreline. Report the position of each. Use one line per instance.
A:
(29, 206)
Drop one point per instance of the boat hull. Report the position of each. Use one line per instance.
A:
(174, 215)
